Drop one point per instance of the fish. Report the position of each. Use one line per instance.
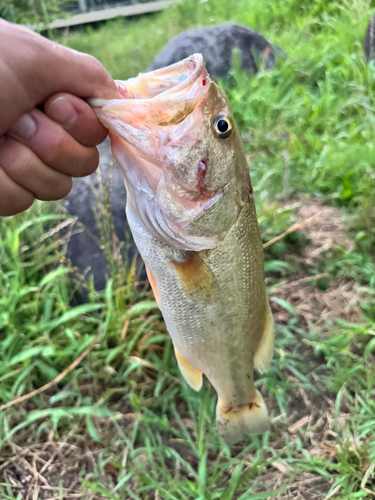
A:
(190, 207)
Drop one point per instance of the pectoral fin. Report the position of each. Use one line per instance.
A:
(192, 375)
(263, 355)
(151, 279)
(196, 277)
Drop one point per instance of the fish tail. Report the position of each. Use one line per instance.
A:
(234, 422)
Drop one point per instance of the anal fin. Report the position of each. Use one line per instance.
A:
(192, 375)
(151, 279)
(264, 352)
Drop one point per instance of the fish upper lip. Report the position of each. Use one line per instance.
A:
(199, 67)
(196, 61)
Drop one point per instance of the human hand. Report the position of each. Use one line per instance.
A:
(41, 150)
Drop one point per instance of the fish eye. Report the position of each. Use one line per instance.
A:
(222, 126)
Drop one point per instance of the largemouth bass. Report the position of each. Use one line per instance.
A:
(190, 207)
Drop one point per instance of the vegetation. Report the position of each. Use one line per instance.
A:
(39, 12)
(123, 423)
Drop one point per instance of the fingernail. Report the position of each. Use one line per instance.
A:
(24, 128)
(63, 112)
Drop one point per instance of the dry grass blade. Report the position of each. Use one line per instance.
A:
(56, 380)
(291, 284)
(369, 471)
(297, 425)
(65, 223)
(292, 228)
(125, 327)
(73, 495)
(333, 492)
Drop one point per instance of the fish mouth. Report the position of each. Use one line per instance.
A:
(160, 119)
(184, 80)
(158, 134)
(161, 98)
(158, 109)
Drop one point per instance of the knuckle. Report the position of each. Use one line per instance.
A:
(16, 157)
(61, 189)
(92, 162)
(89, 164)
(25, 156)
(16, 205)
(96, 66)
(60, 146)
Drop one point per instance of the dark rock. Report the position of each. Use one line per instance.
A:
(85, 248)
(217, 43)
(370, 40)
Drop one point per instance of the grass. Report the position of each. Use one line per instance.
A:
(123, 423)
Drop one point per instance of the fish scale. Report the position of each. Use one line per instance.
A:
(208, 332)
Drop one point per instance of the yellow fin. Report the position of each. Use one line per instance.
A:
(264, 352)
(151, 279)
(233, 423)
(192, 375)
(196, 277)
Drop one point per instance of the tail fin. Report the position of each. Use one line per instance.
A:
(233, 423)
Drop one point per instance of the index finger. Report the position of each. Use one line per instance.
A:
(32, 68)
(76, 117)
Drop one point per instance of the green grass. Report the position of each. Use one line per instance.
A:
(134, 427)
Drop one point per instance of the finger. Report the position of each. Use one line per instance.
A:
(54, 146)
(76, 117)
(41, 69)
(25, 168)
(13, 197)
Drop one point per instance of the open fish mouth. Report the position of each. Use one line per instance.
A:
(160, 98)
(184, 80)
(160, 108)
(160, 111)
(161, 134)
